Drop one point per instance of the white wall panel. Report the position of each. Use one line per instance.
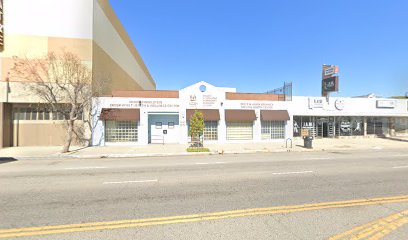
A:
(106, 36)
(56, 18)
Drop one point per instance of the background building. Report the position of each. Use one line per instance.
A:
(87, 28)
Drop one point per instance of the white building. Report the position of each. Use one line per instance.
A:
(149, 117)
(349, 117)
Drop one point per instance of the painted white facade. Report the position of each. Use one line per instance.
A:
(189, 98)
(213, 97)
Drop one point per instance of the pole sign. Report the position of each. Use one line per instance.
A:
(330, 83)
(331, 70)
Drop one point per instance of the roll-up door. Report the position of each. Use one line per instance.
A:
(239, 130)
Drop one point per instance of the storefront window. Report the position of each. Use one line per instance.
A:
(401, 125)
(121, 131)
(357, 126)
(309, 124)
(328, 126)
(211, 130)
(304, 122)
(377, 125)
(350, 126)
(297, 123)
(272, 130)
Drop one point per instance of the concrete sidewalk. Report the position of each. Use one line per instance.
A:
(180, 149)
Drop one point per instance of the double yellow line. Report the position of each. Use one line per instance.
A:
(95, 226)
(376, 229)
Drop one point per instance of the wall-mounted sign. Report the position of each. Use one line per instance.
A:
(209, 100)
(148, 104)
(315, 103)
(339, 104)
(330, 84)
(385, 104)
(256, 105)
(193, 101)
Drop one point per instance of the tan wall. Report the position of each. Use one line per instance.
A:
(51, 133)
(254, 96)
(37, 47)
(80, 47)
(108, 74)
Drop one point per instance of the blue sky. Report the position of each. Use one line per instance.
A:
(257, 45)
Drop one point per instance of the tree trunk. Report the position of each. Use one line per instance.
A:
(68, 140)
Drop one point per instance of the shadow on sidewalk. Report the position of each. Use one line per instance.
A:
(7, 159)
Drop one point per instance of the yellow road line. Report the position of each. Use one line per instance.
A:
(389, 229)
(34, 231)
(358, 201)
(376, 229)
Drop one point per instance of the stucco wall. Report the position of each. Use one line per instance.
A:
(189, 98)
(39, 133)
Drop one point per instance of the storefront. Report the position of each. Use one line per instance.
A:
(349, 117)
(163, 117)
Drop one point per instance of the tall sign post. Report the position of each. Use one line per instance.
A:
(330, 82)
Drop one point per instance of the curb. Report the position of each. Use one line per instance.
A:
(130, 155)
(218, 152)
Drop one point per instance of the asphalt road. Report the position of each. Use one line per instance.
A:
(100, 194)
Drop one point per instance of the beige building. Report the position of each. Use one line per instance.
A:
(88, 28)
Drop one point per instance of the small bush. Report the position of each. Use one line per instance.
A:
(198, 150)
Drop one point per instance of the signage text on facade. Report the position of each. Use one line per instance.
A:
(148, 104)
(256, 105)
(385, 104)
(315, 103)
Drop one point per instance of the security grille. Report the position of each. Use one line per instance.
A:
(121, 131)
(239, 130)
(273, 130)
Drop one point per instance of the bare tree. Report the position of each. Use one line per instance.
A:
(64, 83)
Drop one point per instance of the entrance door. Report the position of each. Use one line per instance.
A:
(164, 128)
(325, 127)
